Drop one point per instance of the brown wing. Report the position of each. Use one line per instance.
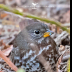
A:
(49, 50)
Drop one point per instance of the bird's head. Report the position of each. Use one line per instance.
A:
(38, 30)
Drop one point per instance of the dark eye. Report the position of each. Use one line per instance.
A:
(37, 31)
(7, 18)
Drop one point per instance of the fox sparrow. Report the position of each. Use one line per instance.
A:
(24, 56)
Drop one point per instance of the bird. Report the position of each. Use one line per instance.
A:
(23, 55)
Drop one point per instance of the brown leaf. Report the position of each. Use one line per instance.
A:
(3, 15)
(5, 46)
(8, 50)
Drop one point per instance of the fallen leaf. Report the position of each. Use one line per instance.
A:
(3, 15)
(8, 50)
(4, 45)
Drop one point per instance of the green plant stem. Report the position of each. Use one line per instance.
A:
(68, 66)
(6, 8)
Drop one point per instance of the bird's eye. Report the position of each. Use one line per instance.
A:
(37, 31)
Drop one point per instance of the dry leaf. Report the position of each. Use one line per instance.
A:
(3, 15)
(8, 50)
(2, 44)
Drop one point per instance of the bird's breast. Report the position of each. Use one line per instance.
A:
(27, 58)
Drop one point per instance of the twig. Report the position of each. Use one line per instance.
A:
(4, 7)
(8, 61)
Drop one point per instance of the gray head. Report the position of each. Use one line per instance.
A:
(38, 30)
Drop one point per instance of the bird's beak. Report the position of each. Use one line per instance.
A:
(48, 33)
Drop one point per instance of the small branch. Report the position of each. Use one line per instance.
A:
(4, 7)
(8, 61)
